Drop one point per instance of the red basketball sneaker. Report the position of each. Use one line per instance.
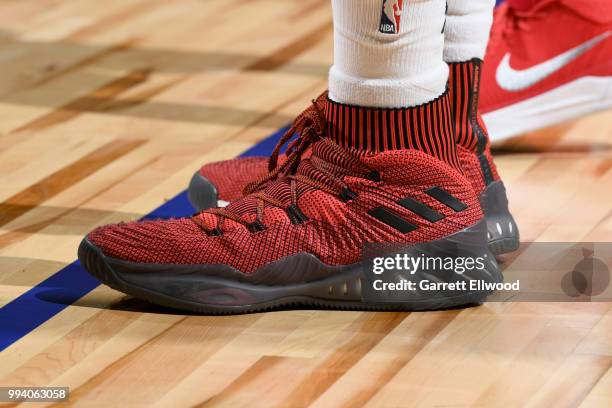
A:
(547, 61)
(314, 231)
(216, 184)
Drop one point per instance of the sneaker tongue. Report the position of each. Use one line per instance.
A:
(326, 157)
(245, 207)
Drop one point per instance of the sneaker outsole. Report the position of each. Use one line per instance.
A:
(202, 193)
(186, 288)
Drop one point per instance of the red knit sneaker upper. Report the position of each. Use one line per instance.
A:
(328, 205)
(387, 129)
(463, 139)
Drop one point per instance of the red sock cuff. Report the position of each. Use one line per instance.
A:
(426, 127)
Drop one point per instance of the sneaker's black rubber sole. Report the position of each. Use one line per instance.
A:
(503, 232)
(202, 193)
(300, 280)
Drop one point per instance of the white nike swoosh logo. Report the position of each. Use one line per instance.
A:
(513, 80)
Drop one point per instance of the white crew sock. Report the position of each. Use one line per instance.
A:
(376, 69)
(468, 24)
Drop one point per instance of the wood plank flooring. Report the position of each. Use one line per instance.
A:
(106, 110)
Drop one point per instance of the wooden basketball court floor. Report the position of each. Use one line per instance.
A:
(107, 108)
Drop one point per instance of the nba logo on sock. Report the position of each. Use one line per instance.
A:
(391, 16)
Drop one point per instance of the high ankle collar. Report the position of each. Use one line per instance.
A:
(464, 82)
(425, 127)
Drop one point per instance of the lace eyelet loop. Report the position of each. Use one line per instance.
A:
(346, 194)
(255, 226)
(217, 232)
(373, 176)
(295, 214)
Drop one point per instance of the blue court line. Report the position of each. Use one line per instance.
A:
(28, 311)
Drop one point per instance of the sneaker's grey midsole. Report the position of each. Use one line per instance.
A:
(502, 231)
(296, 276)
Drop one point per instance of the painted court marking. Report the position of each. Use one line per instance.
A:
(28, 311)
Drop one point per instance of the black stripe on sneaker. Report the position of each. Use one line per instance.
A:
(447, 199)
(392, 220)
(421, 209)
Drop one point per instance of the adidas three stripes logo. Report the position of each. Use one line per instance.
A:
(393, 220)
